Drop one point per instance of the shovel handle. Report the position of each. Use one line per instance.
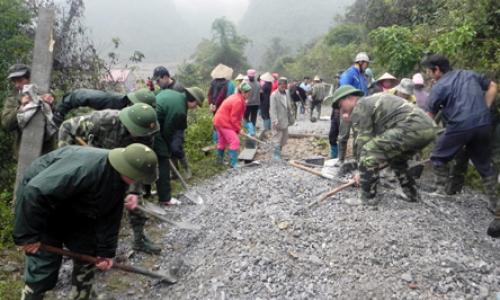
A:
(292, 163)
(118, 266)
(336, 190)
(251, 137)
(178, 174)
(180, 225)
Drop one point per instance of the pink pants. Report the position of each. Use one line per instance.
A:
(227, 136)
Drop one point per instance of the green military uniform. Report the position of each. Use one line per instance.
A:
(389, 130)
(9, 122)
(171, 108)
(103, 129)
(71, 196)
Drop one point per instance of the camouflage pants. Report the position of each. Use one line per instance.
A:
(393, 147)
(137, 219)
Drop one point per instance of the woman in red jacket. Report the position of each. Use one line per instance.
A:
(227, 122)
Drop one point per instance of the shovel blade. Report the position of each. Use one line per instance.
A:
(193, 196)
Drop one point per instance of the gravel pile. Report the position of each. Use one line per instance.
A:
(254, 246)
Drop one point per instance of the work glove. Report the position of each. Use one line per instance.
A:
(494, 228)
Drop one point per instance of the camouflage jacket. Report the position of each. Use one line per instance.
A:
(374, 115)
(100, 129)
(319, 92)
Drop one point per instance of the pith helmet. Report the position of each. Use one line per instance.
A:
(140, 119)
(143, 96)
(343, 91)
(137, 162)
(197, 93)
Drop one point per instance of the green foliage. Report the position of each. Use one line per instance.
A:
(270, 58)
(189, 74)
(397, 48)
(198, 133)
(226, 47)
(345, 34)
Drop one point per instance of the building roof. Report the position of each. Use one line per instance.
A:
(117, 75)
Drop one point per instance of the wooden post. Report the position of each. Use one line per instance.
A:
(43, 58)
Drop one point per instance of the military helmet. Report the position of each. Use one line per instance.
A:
(136, 161)
(140, 119)
(143, 96)
(197, 94)
(344, 91)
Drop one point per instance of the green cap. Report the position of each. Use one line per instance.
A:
(143, 96)
(137, 162)
(140, 119)
(197, 94)
(343, 91)
(245, 87)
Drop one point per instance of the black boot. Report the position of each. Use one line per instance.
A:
(490, 185)
(369, 178)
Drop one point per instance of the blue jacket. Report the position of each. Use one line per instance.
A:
(460, 94)
(353, 77)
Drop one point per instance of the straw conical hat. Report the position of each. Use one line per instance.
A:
(267, 77)
(387, 76)
(222, 71)
(239, 77)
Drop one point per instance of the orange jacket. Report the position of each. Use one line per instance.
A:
(230, 113)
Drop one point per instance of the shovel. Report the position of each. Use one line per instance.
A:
(295, 164)
(180, 225)
(325, 196)
(193, 196)
(163, 276)
(267, 145)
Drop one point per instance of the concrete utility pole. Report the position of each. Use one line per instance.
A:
(43, 58)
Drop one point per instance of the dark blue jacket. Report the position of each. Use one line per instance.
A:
(460, 94)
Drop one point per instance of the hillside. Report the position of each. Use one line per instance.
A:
(295, 21)
(154, 28)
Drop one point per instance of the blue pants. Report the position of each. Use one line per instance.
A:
(478, 144)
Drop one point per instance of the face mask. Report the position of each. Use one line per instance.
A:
(163, 84)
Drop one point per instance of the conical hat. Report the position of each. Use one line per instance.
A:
(222, 71)
(387, 76)
(267, 77)
(239, 77)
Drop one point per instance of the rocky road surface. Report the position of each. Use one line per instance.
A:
(254, 244)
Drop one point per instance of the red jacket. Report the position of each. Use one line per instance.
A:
(230, 113)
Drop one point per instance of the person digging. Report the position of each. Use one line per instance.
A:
(390, 131)
(109, 129)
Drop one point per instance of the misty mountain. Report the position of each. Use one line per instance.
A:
(156, 28)
(296, 22)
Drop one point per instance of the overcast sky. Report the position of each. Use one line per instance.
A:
(232, 9)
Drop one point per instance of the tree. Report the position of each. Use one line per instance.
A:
(225, 47)
(273, 53)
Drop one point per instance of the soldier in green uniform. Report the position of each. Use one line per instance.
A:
(74, 197)
(171, 109)
(388, 130)
(109, 129)
(99, 100)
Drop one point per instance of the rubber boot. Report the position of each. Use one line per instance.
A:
(490, 185)
(341, 154)
(220, 157)
(267, 124)
(442, 175)
(277, 152)
(175, 161)
(185, 166)
(215, 137)
(142, 243)
(369, 178)
(408, 185)
(28, 294)
(458, 170)
(250, 128)
(334, 151)
(233, 154)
